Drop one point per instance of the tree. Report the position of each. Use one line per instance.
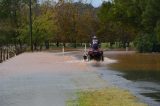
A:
(106, 31)
(144, 43)
(115, 19)
(10, 20)
(43, 26)
(76, 22)
(151, 19)
(151, 15)
(157, 29)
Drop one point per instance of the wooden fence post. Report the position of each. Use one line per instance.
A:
(1, 57)
(7, 54)
(4, 52)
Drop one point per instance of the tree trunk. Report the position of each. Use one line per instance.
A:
(125, 44)
(4, 56)
(20, 44)
(47, 44)
(64, 44)
(7, 54)
(57, 44)
(81, 44)
(40, 48)
(75, 44)
(35, 46)
(1, 55)
(111, 44)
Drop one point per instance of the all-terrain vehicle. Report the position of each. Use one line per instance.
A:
(94, 53)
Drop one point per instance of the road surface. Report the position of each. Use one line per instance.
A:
(44, 79)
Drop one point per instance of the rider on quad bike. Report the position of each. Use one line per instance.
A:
(94, 52)
(95, 43)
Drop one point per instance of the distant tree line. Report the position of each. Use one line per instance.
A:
(64, 22)
(128, 21)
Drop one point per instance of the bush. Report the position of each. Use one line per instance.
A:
(145, 42)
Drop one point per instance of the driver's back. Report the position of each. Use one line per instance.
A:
(95, 44)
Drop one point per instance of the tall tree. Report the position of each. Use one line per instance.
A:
(151, 19)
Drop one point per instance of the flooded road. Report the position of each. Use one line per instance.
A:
(142, 74)
(49, 79)
(44, 79)
(138, 73)
(143, 70)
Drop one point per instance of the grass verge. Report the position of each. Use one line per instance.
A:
(105, 97)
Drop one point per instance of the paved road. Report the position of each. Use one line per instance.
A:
(44, 79)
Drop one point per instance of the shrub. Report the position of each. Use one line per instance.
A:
(145, 42)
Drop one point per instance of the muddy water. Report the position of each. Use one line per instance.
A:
(143, 70)
(44, 79)
(22, 85)
(138, 73)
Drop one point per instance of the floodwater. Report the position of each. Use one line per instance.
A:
(44, 79)
(138, 73)
(142, 74)
(36, 79)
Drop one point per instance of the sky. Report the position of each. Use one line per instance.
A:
(95, 3)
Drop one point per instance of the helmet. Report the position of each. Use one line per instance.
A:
(94, 37)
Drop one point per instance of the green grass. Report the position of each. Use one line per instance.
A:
(105, 97)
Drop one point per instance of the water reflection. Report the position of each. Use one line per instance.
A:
(135, 61)
(144, 69)
(142, 72)
(143, 76)
(155, 95)
(137, 66)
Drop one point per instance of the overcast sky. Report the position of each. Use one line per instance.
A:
(95, 3)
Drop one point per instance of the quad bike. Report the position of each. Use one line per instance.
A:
(96, 55)
(92, 54)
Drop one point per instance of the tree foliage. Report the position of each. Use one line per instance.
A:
(76, 22)
(66, 21)
(132, 20)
